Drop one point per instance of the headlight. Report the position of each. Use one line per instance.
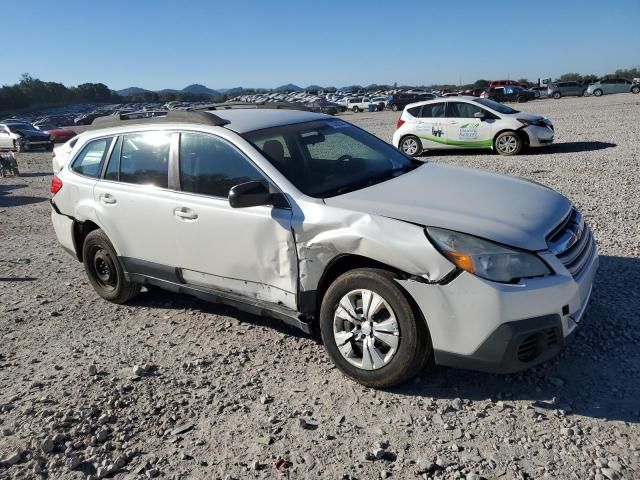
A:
(487, 259)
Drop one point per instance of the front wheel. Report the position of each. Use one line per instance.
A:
(355, 109)
(556, 95)
(508, 143)
(394, 107)
(104, 270)
(635, 90)
(370, 330)
(411, 145)
(598, 92)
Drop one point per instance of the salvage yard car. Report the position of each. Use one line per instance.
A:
(306, 218)
(612, 85)
(469, 122)
(22, 136)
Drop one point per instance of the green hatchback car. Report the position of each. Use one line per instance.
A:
(612, 85)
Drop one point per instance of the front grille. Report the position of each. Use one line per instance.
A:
(532, 346)
(573, 243)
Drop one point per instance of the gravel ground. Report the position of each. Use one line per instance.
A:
(172, 387)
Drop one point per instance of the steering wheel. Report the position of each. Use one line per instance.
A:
(342, 163)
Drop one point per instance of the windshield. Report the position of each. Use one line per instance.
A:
(498, 107)
(20, 126)
(329, 157)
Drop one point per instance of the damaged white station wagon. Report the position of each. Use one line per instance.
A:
(311, 220)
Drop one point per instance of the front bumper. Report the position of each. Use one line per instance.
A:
(502, 328)
(539, 136)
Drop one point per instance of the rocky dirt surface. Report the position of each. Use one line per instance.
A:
(172, 387)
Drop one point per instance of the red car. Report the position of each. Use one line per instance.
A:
(58, 134)
(503, 83)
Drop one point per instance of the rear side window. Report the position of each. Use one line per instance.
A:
(414, 111)
(89, 161)
(433, 110)
(211, 166)
(145, 159)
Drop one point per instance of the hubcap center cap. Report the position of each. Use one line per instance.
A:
(367, 328)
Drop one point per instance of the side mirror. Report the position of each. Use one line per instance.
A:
(254, 194)
(479, 115)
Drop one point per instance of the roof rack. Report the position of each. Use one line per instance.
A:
(172, 116)
(249, 105)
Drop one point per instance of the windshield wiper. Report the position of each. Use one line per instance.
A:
(366, 183)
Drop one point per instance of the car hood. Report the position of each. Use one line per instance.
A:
(508, 210)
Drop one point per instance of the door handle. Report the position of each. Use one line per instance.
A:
(453, 122)
(108, 199)
(185, 213)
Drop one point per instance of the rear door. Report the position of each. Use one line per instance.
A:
(135, 206)
(464, 130)
(246, 251)
(430, 125)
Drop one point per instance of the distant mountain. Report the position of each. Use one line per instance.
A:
(313, 88)
(198, 89)
(131, 91)
(289, 87)
(168, 90)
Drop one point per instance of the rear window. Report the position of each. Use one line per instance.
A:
(89, 161)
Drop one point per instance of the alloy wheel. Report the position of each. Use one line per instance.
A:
(366, 330)
(410, 146)
(507, 144)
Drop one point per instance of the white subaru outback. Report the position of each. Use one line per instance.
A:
(311, 220)
(469, 122)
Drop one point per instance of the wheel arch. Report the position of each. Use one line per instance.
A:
(80, 232)
(311, 301)
(518, 131)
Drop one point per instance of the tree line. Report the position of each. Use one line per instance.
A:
(29, 91)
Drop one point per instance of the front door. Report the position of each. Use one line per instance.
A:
(245, 251)
(463, 129)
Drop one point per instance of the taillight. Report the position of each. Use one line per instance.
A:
(56, 185)
(400, 123)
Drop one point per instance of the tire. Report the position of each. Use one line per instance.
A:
(635, 90)
(557, 95)
(393, 364)
(355, 109)
(17, 146)
(394, 107)
(521, 99)
(598, 92)
(104, 270)
(508, 143)
(50, 147)
(411, 145)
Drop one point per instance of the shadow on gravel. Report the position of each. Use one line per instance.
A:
(18, 279)
(157, 298)
(36, 174)
(572, 147)
(596, 375)
(9, 200)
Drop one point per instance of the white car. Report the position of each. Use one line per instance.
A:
(308, 219)
(469, 122)
(61, 154)
(358, 104)
(18, 135)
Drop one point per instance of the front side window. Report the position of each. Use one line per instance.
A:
(211, 166)
(493, 105)
(463, 110)
(330, 157)
(89, 161)
(145, 159)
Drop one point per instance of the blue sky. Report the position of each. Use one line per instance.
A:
(170, 44)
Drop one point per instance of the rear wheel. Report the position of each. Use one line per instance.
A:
(355, 109)
(597, 92)
(521, 99)
(508, 143)
(394, 107)
(104, 270)
(635, 89)
(556, 95)
(411, 145)
(370, 330)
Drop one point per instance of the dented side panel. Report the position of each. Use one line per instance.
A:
(325, 232)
